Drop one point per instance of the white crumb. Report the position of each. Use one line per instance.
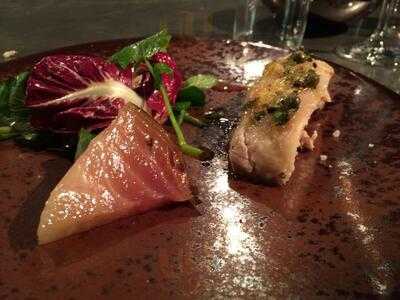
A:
(323, 157)
(225, 88)
(9, 53)
(330, 166)
(336, 133)
(371, 145)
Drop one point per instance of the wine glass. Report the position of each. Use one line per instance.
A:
(294, 23)
(383, 45)
(245, 15)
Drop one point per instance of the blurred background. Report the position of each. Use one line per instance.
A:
(39, 25)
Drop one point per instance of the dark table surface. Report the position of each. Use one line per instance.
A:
(39, 25)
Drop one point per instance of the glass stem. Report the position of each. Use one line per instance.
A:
(384, 16)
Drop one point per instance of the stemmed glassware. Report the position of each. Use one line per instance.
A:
(383, 45)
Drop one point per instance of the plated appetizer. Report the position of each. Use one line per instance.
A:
(110, 111)
(272, 128)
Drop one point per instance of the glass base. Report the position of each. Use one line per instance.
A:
(372, 51)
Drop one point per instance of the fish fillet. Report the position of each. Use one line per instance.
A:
(129, 168)
(264, 144)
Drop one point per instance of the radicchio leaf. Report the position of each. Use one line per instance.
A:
(172, 83)
(68, 92)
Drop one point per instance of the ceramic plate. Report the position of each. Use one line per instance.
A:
(333, 231)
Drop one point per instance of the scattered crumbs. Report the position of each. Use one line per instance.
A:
(336, 133)
(371, 145)
(323, 157)
(9, 53)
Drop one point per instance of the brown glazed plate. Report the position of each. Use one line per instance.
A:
(332, 232)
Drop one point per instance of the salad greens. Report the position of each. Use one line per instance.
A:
(162, 88)
(14, 116)
(141, 50)
(185, 147)
(84, 139)
(192, 94)
(159, 69)
(201, 81)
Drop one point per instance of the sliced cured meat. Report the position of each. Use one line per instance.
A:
(131, 167)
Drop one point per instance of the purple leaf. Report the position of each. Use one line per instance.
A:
(68, 92)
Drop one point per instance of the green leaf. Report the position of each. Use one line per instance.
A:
(192, 94)
(14, 116)
(7, 132)
(142, 50)
(17, 95)
(183, 105)
(85, 138)
(185, 147)
(5, 88)
(201, 81)
(162, 68)
(192, 120)
(158, 70)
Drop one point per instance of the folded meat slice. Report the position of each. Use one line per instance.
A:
(131, 167)
(265, 142)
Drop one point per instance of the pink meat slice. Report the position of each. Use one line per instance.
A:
(131, 167)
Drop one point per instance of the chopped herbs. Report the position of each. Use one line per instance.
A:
(298, 57)
(285, 102)
(309, 79)
(300, 76)
(280, 117)
(291, 101)
(281, 111)
(258, 115)
(249, 104)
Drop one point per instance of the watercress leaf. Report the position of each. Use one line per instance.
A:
(84, 139)
(142, 50)
(192, 94)
(17, 95)
(4, 97)
(201, 81)
(6, 132)
(162, 68)
(182, 106)
(192, 120)
(158, 70)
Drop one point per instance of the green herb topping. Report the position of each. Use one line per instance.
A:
(281, 111)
